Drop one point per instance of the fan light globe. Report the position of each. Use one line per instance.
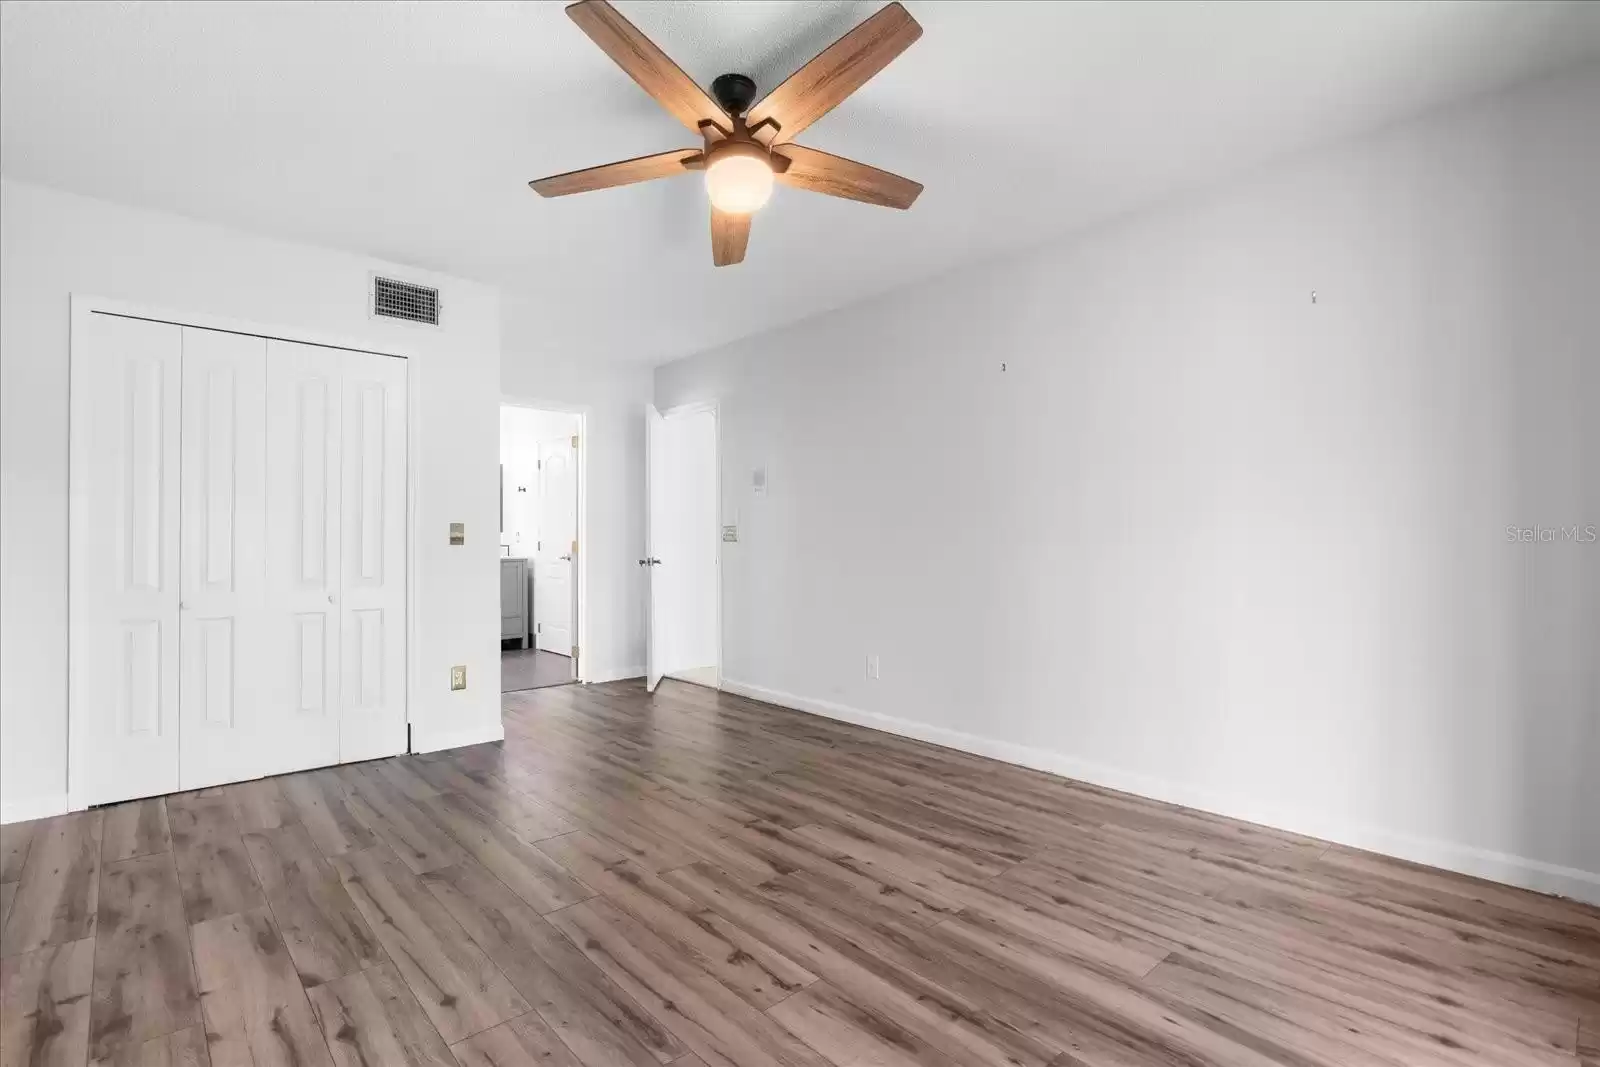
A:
(739, 184)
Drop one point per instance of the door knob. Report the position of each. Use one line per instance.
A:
(331, 599)
(651, 562)
(567, 558)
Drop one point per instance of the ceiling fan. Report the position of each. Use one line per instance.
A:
(746, 149)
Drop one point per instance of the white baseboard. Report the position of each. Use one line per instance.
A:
(25, 808)
(1448, 855)
(457, 738)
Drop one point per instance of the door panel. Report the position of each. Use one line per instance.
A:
(685, 538)
(228, 731)
(304, 438)
(655, 514)
(126, 391)
(372, 597)
(312, 665)
(558, 531)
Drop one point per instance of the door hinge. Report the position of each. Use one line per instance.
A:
(538, 546)
(574, 440)
(574, 651)
(538, 627)
(408, 737)
(538, 464)
(574, 547)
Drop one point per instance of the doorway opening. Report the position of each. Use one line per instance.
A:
(539, 543)
(685, 546)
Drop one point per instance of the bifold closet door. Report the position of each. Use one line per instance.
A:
(322, 489)
(238, 557)
(231, 729)
(372, 567)
(126, 387)
(304, 435)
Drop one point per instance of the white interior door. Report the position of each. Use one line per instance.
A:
(683, 544)
(372, 586)
(656, 489)
(689, 546)
(126, 389)
(304, 470)
(336, 474)
(558, 532)
(231, 729)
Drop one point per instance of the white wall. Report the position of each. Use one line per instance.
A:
(613, 397)
(54, 244)
(1204, 538)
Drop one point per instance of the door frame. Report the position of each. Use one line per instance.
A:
(84, 305)
(694, 407)
(584, 673)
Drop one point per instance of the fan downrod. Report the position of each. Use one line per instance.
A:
(734, 92)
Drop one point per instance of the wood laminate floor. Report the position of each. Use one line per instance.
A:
(695, 879)
(530, 668)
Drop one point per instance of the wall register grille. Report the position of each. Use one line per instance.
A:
(403, 300)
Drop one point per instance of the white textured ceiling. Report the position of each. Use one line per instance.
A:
(408, 131)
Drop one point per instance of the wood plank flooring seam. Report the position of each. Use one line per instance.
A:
(98, 874)
(166, 1024)
(277, 924)
(22, 863)
(485, 1029)
(790, 996)
(280, 920)
(534, 1010)
(1164, 957)
(188, 932)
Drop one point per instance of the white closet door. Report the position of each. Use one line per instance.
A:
(125, 405)
(230, 730)
(304, 418)
(372, 597)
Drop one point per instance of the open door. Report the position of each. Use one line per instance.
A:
(556, 550)
(656, 490)
(683, 546)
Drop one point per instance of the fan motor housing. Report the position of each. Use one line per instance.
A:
(734, 92)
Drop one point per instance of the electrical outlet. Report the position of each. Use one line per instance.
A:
(872, 666)
(458, 676)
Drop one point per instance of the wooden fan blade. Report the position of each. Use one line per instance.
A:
(730, 234)
(842, 68)
(646, 64)
(836, 176)
(628, 171)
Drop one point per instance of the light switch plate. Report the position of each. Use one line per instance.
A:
(458, 533)
(458, 676)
